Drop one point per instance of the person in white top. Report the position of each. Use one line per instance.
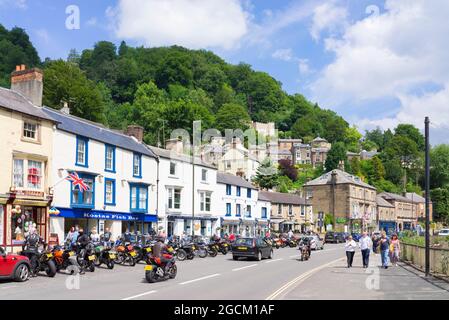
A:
(350, 247)
(365, 244)
(290, 234)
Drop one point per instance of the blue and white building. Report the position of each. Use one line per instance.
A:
(241, 212)
(119, 169)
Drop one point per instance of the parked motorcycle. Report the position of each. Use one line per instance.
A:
(155, 271)
(186, 251)
(86, 257)
(65, 259)
(104, 255)
(44, 261)
(212, 249)
(126, 254)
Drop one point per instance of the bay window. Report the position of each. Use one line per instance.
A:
(28, 174)
(84, 199)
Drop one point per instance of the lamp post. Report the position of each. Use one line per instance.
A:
(427, 175)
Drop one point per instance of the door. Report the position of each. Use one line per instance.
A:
(7, 263)
(170, 228)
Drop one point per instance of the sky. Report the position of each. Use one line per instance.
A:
(374, 62)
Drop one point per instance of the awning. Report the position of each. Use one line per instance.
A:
(104, 215)
(181, 217)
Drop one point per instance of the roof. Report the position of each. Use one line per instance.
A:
(227, 178)
(415, 197)
(168, 154)
(283, 198)
(319, 139)
(289, 140)
(342, 178)
(394, 197)
(15, 101)
(383, 203)
(98, 132)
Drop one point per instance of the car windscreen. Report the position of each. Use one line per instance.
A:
(244, 242)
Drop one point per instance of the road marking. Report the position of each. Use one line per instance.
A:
(202, 278)
(274, 260)
(242, 268)
(295, 256)
(299, 279)
(4, 288)
(140, 295)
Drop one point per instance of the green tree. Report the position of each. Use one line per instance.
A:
(376, 136)
(439, 171)
(352, 139)
(336, 154)
(440, 203)
(411, 132)
(64, 81)
(266, 175)
(356, 168)
(232, 116)
(378, 169)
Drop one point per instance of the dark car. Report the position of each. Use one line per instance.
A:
(256, 248)
(335, 237)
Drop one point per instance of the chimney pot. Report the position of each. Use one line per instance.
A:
(175, 145)
(22, 67)
(18, 68)
(136, 132)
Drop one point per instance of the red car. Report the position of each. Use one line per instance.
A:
(13, 266)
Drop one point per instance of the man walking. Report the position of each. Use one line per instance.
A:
(384, 250)
(365, 244)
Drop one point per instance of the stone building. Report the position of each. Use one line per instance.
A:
(386, 215)
(350, 201)
(405, 211)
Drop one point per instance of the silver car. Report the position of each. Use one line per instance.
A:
(316, 243)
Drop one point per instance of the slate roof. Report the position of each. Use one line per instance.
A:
(98, 132)
(383, 203)
(415, 197)
(227, 178)
(167, 154)
(15, 101)
(282, 198)
(394, 197)
(342, 178)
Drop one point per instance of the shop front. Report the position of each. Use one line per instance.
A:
(62, 219)
(2, 221)
(275, 224)
(229, 226)
(262, 227)
(389, 227)
(178, 225)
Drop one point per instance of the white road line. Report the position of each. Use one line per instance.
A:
(295, 256)
(140, 295)
(202, 278)
(242, 268)
(299, 279)
(4, 288)
(274, 260)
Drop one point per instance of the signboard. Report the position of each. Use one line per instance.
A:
(105, 215)
(341, 220)
(53, 239)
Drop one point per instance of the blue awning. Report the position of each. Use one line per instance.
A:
(104, 215)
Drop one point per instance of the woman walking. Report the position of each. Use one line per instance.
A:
(350, 247)
(395, 250)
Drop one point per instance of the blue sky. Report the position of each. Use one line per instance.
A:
(375, 62)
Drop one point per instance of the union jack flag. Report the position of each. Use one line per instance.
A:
(77, 181)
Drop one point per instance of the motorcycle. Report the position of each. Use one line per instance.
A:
(104, 255)
(86, 257)
(186, 251)
(305, 253)
(155, 271)
(212, 249)
(126, 254)
(44, 261)
(65, 259)
(292, 243)
(200, 250)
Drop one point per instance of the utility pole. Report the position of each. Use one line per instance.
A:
(426, 122)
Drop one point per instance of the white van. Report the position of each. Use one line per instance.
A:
(443, 232)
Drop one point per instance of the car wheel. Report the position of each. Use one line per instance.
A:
(22, 273)
(234, 258)
(271, 254)
(259, 256)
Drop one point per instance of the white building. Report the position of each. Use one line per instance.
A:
(177, 199)
(241, 212)
(120, 171)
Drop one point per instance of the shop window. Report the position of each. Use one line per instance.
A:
(26, 219)
(85, 198)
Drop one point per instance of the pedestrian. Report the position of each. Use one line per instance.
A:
(375, 241)
(350, 247)
(69, 237)
(395, 250)
(384, 250)
(94, 236)
(365, 244)
(290, 234)
(75, 235)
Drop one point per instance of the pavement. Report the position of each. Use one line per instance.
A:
(337, 282)
(221, 278)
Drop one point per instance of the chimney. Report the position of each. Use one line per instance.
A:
(29, 83)
(65, 109)
(135, 131)
(175, 145)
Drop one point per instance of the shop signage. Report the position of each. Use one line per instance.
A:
(341, 220)
(29, 193)
(104, 215)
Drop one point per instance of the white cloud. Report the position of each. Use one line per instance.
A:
(190, 23)
(22, 4)
(328, 17)
(283, 54)
(393, 55)
(304, 68)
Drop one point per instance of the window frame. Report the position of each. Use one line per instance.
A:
(264, 213)
(113, 203)
(238, 210)
(248, 212)
(86, 151)
(175, 165)
(228, 189)
(249, 193)
(106, 147)
(25, 173)
(228, 209)
(138, 187)
(171, 191)
(203, 206)
(139, 175)
(204, 175)
(81, 204)
(238, 191)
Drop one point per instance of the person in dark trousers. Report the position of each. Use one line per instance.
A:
(350, 247)
(384, 250)
(365, 244)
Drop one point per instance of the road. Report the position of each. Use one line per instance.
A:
(221, 278)
(209, 278)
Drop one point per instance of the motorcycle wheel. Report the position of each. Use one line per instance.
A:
(190, 256)
(181, 255)
(120, 258)
(110, 265)
(132, 261)
(213, 253)
(91, 267)
(173, 272)
(151, 276)
(202, 253)
(97, 261)
(50, 270)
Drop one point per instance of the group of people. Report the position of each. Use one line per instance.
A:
(389, 249)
